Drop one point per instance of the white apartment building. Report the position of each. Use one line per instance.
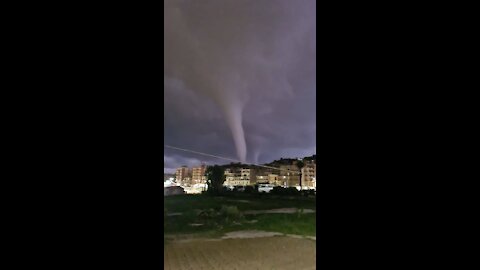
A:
(182, 176)
(309, 174)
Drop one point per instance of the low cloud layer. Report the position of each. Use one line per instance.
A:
(239, 79)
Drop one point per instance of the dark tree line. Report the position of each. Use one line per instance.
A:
(215, 179)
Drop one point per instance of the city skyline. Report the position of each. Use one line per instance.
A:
(284, 172)
(273, 164)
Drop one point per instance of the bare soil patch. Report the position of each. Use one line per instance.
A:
(278, 211)
(242, 201)
(278, 252)
(249, 234)
(174, 214)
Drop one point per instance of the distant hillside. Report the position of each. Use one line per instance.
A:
(310, 158)
(275, 163)
(236, 165)
(289, 161)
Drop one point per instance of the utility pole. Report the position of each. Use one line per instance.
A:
(300, 165)
(300, 178)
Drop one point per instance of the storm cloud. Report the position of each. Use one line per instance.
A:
(239, 79)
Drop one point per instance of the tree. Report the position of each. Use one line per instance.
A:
(215, 178)
(300, 165)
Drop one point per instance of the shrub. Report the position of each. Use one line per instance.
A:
(207, 215)
(249, 189)
(292, 191)
(308, 192)
(226, 190)
(238, 188)
(278, 190)
(230, 213)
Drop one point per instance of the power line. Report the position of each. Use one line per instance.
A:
(230, 159)
(200, 153)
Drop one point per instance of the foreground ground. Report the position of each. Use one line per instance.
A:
(278, 252)
(210, 246)
(182, 212)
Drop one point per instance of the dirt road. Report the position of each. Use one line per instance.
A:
(278, 252)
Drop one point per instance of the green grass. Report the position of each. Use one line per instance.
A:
(301, 224)
(285, 223)
(182, 203)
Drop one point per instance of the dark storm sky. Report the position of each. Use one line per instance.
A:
(239, 80)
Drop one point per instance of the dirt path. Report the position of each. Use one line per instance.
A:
(278, 211)
(279, 252)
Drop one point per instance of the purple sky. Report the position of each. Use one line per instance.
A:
(239, 80)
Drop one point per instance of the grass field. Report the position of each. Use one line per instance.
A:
(191, 205)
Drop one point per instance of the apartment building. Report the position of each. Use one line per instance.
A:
(262, 178)
(237, 177)
(309, 173)
(275, 179)
(248, 175)
(229, 176)
(183, 176)
(289, 175)
(198, 174)
(187, 181)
